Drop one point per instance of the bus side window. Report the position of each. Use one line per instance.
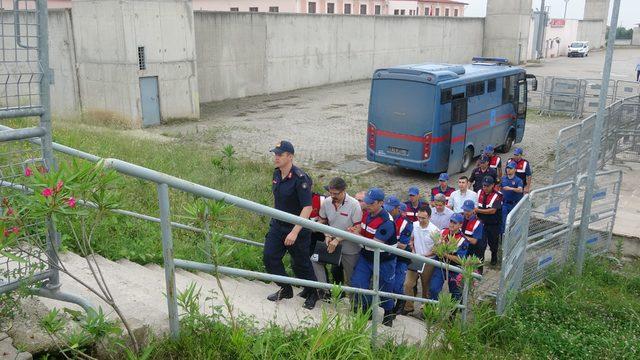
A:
(491, 86)
(479, 88)
(445, 96)
(459, 110)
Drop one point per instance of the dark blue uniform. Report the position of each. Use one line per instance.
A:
(509, 197)
(291, 194)
(477, 175)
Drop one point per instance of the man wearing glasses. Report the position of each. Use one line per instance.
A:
(343, 212)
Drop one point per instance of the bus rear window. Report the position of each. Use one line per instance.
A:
(402, 106)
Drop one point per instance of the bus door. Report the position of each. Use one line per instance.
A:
(458, 133)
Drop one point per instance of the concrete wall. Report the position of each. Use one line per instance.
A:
(566, 34)
(249, 54)
(591, 31)
(635, 40)
(65, 97)
(108, 33)
(506, 30)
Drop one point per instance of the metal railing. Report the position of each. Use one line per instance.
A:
(164, 182)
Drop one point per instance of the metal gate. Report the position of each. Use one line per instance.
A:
(604, 203)
(24, 92)
(514, 247)
(550, 231)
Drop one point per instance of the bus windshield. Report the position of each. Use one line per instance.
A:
(402, 106)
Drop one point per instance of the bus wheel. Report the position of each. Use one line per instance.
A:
(507, 144)
(466, 159)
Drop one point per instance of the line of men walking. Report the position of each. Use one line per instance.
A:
(474, 218)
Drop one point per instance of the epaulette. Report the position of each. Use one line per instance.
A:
(299, 172)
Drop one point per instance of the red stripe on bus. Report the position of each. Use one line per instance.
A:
(439, 139)
(393, 135)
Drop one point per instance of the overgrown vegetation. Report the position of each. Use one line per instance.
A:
(596, 316)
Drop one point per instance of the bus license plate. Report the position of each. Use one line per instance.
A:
(397, 151)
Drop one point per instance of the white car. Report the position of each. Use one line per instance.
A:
(578, 48)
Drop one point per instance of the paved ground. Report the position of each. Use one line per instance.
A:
(328, 125)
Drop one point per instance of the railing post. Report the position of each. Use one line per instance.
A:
(207, 234)
(465, 301)
(167, 254)
(376, 297)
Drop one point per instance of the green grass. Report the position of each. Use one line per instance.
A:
(596, 316)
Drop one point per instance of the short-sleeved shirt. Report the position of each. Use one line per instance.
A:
(510, 197)
(441, 220)
(293, 192)
(473, 227)
(523, 169)
(457, 199)
(347, 214)
(386, 232)
(490, 201)
(422, 240)
(478, 175)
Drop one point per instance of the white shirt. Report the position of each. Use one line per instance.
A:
(441, 220)
(346, 215)
(457, 199)
(422, 241)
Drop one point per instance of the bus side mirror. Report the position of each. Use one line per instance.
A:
(534, 82)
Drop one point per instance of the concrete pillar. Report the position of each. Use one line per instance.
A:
(593, 27)
(635, 40)
(109, 36)
(506, 29)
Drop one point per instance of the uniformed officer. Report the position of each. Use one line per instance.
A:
(523, 169)
(473, 229)
(442, 188)
(404, 228)
(512, 191)
(479, 173)
(489, 212)
(413, 204)
(438, 277)
(494, 160)
(377, 225)
(292, 193)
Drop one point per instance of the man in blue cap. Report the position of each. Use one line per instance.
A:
(494, 160)
(512, 190)
(403, 228)
(472, 229)
(291, 189)
(489, 212)
(480, 172)
(413, 204)
(437, 279)
(442, 188)
(523, 169)
(377, 225)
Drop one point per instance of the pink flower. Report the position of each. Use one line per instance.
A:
(9, 211)
(15, 230)
(6, 232)
(458, 279)
(71, 202)
(59, 186)
(47, 192)
(27, 171)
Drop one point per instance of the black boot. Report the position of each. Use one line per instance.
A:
(494, 259)
(304, 293)
(387, 320)
(312, 298)
(399, 306)
(285, 292)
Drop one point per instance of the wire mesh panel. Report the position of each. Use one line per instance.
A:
(550, 227)
(568, 149)
(626, 133)
(20, 69)
(604, 202)
(513, 253)
(29, 259)
(626, 89)
(563, 95)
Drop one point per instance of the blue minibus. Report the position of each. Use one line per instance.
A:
(438, 117)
